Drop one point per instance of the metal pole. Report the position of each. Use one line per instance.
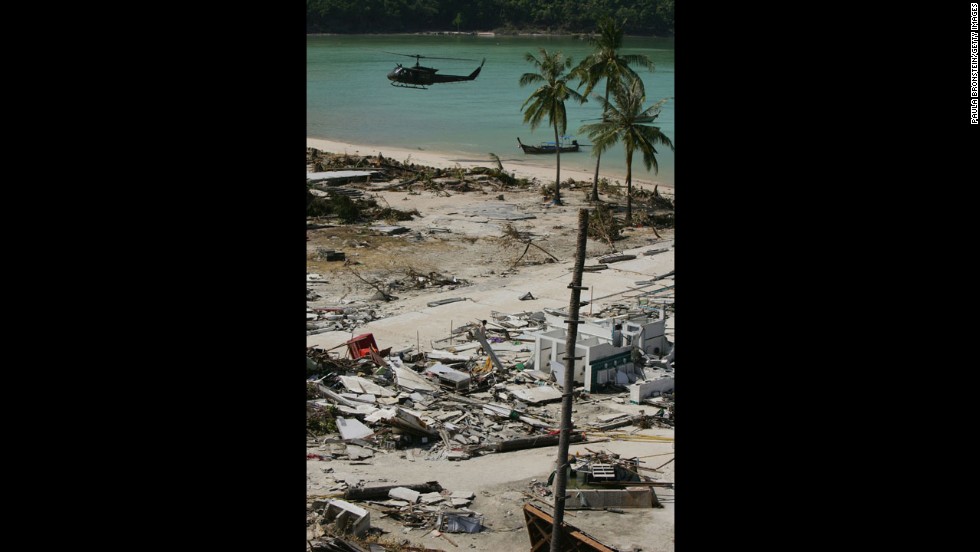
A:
(561, 479)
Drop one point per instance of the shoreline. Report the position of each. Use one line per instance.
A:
(530, 169)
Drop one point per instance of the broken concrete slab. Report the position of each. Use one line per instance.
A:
(470, 495)
(405, 420)
(449, 376)
(431, 498)
(410, 380)
(362, 410)
(507, 412)
(359, 453)
(366, 398)
(347, 517)
(538, 374)
(357, 384)
(507, 347)
(447, 415)
(404, 493)
(534, 395)
(353, 429)
(439, 354)
(335, 397)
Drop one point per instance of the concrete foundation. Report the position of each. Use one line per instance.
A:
(630, 497)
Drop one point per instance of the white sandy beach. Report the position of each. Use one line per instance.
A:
(541, 167)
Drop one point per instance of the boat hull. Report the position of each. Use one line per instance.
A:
(547, 149)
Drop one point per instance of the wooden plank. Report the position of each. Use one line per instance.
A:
(541, 521)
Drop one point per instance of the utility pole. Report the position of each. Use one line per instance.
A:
(571, 334)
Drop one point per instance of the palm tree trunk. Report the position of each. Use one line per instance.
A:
(598, 157)
(557, 200)
(629, 188)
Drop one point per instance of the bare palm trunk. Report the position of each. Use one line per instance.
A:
(598, 157)
(595, 179)
(629, 188)
(557, 200)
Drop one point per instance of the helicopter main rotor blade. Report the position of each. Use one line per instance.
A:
(457, 59)
(426, 57)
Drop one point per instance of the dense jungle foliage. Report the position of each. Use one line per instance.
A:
(643, 17)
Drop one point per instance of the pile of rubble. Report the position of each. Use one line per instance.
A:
(478, 394)
(426, 505)
(340, 318)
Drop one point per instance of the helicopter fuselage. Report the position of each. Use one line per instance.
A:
(424, 76)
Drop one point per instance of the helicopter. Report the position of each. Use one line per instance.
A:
(420, 77)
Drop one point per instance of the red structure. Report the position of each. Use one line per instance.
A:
(361, 346)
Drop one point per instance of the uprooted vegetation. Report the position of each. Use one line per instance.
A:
(354, 209)
(407, 176)
(654, 210)
(409, 279)
(320, 421)
(650, 208)
(604, 226)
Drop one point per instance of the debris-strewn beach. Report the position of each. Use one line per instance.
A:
(438, 266)
(533, 166)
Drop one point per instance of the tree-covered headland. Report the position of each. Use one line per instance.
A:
(642, 17)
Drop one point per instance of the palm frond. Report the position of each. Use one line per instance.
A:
(641, 60)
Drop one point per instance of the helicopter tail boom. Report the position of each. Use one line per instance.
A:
(476, 73)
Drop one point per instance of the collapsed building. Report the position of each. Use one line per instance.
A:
(619, 349)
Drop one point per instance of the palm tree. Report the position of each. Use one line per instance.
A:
(606, 63)
(549, 99)
(626, 120)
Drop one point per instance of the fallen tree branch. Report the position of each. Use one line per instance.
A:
(528, 245)
(376, 285)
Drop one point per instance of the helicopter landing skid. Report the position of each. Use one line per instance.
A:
(401, 85)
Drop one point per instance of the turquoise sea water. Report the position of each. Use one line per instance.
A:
(350, 99)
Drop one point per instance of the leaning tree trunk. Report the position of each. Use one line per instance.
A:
(598, 157)
(557, 200)
(629, 188)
